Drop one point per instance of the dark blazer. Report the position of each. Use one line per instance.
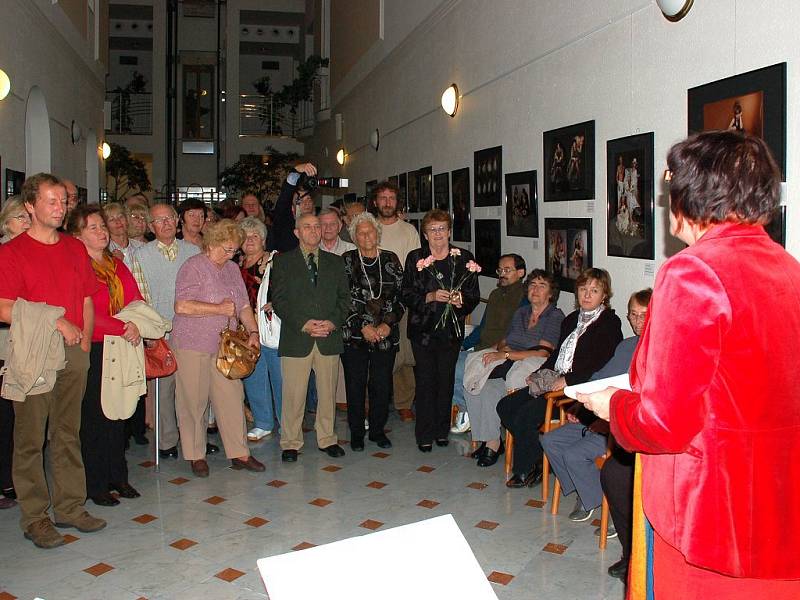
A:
(295, 300)
(281, 236)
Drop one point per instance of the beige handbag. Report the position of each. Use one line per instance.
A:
(235, 358)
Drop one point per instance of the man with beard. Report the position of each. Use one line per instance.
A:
(401, 238)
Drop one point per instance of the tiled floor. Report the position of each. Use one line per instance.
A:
(200, 538)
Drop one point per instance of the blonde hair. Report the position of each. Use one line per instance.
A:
(11, 206)
(223, 231)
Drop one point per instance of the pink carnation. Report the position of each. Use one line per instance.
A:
(420, 264)
(455, 252)
(473, 267)
(428, 261)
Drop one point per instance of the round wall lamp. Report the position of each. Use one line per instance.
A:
(375, 139)
(675, 10)
(5, 84)
(75, 132)
(450, 100)
(105, 150)
(340, 156)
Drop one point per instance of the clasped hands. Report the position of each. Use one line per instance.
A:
(374, 334)
(446, 296)
(318, 328)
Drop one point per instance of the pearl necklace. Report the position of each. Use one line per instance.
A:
(372, 295)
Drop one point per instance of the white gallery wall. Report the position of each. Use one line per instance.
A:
(528, 66)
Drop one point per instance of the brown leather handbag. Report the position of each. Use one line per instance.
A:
(159, 361)
(235, 358)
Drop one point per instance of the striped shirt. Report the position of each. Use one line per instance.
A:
(547, 328)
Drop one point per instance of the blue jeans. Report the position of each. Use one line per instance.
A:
(264, 389)
(458, 384)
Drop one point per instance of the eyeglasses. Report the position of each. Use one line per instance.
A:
(230, 251)
(504, 270)
(22, 217)
(441, 229)
(137, 217)
(637, 316)
(163, 220)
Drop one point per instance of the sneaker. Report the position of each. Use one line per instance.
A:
(256, 433)
(580, 514)
(462, 423)
(84, 523)
(612, 533)
(44, 535)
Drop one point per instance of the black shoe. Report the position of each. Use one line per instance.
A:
(334, 450)
(619, 569)
(443, 442)
(289, 456)
(478, 452)
(425, 447)
(141, 440)
(169, 452)
(357, 445)
(125, 489)
(529, 480)
(383, 442)
(212, 448)
(10, 493)
(490, 456)
(105, 500)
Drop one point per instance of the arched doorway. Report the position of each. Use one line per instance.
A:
(37, 133)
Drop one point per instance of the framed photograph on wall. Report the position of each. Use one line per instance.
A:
(441, 191)
(567, 249)
(522, 198)
(402, 198)
(630, 197)
(425, 186)
(753, 102)
(569, 163)
(368, 187)
(776, 228)
(462, 224)
(14, 181)
(393, 179)
(489, 177)
(413, 192)
(487, 245)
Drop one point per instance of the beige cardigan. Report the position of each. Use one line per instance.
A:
(34, 352)
(123, 363)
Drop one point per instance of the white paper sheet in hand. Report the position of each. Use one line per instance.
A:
(365, 567)
(622, 382)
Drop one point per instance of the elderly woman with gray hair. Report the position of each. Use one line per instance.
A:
(264, 386)
(370, 332)
(14, 219)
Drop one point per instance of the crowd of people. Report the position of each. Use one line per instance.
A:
(349, 307)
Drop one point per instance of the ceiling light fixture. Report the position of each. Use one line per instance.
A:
(450, 100)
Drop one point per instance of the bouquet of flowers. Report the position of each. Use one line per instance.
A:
(454, 289)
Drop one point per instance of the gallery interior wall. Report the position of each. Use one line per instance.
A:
(526, 67)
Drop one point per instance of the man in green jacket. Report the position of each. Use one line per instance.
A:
(311, 295)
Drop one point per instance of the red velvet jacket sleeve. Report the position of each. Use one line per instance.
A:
(688, 318)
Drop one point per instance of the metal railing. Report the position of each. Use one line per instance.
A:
(261, 116)
(131, 113)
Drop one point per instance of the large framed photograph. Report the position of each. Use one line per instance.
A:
(425, 187)
(630, 197)
(522, 198)
(402, 196)
(753, 102)
(14, 181)
(441, 191)
(569, 163)
(487, 245)
(489, 177)
(462, 224)
(567, 249)
(413, 192)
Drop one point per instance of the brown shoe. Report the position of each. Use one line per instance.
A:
(249, 463)
(200, 468)
(84, 522)
(406, 414)
(44, 535)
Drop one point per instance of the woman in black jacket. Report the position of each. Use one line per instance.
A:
(589, 336)
(436, 336)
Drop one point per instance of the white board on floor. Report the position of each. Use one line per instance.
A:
(428, 559)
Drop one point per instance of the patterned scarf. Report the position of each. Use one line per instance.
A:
(106, 271)
(567, 352)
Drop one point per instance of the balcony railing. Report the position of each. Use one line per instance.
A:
(261, 116)
(131, 114)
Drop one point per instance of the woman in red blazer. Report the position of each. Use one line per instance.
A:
(715, 406)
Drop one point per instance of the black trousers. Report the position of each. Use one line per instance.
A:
(523, 415)
(367, 369)
(102, 440)
(6, 442)
(135, 425)
(435, 372)
(617, 481)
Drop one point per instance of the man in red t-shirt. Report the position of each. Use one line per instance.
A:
(42, 265)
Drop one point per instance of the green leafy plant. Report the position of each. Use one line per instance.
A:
(262, 175)
(129, 174)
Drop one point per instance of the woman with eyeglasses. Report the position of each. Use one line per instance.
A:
(434, 341)
(14, 219)
(209, 294)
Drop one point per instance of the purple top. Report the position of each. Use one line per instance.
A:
(200, 279)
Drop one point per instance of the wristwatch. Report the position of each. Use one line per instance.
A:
(506, 355)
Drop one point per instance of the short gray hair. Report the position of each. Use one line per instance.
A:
(158, 204)
(12, 205)
(255, 225)
(364, 217)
